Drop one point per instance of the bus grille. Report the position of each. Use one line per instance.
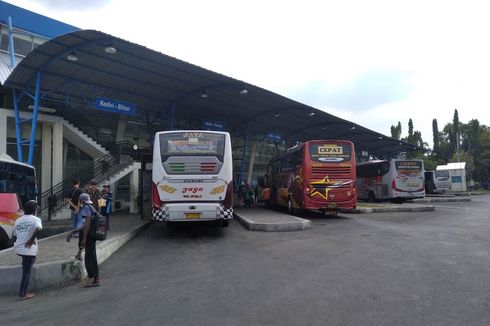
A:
(345, 184)
(192, 165)
(321, 170)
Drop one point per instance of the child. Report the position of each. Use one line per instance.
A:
(26, 230)
(107, 208)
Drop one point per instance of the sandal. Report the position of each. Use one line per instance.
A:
(92, 285)
(28, 296)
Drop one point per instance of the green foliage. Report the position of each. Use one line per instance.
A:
(472, 140)
(436, 139)
(430, 164)
(396, 132)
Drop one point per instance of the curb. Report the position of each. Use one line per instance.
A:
(368, 210)
(61, 273)
(300, 225)
(442, 200)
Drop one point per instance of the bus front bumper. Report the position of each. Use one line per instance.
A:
(192, 212)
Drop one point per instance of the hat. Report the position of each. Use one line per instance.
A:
(106, 185)
(85, 198)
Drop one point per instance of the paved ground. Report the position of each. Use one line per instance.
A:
(428, 268)
(56, 248)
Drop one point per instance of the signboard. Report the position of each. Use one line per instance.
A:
(213, 125)
(456, 179)
(273, 136)
(330, 153)
(110, 105)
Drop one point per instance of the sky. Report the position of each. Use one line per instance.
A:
(372, 62)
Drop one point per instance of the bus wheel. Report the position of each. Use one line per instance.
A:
(225, 223)
(372, 197)
(4, 239)
(291, 210)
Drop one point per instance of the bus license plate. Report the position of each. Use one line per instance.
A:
(332, 206)
(192, 215)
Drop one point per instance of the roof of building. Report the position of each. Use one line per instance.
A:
(5, 67)
(452, 166)
(33, 22)
(155, 82)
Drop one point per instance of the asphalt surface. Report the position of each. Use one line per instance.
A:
(427, 268)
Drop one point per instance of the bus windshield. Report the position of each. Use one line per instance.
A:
(442, 174)
(192, 144)
(330, 152)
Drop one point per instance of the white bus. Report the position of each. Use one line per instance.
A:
(17, 185)
(17, 177)
(395, 179)
(192, 176)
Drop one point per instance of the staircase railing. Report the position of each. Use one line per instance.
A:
(78, 119)
(54, 198)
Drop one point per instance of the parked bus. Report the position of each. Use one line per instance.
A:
(18, 178)
(437, 181)
(395, 179)
(192, 176)
(315, 175)
(17, 185)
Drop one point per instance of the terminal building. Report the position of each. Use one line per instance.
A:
(82, 103)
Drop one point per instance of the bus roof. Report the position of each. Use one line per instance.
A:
(177, 131)
(8, 158)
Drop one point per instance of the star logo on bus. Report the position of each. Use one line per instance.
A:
(323, 182)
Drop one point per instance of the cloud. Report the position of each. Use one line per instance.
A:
(367, 90)
(71, 5)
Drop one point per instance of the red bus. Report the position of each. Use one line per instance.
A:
(315, 175)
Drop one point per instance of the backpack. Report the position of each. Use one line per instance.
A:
(98, 225)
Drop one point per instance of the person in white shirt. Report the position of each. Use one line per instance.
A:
(26, 230)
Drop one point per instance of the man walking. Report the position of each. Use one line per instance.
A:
(73, 196)
(91, 264)
(26, 230)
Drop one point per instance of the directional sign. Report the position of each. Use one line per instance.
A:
(273, 136)
(213, 125)
(110, 105)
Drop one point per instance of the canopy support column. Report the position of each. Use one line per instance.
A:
(11, 44)
(34, 118)
(171, 117)
(244, 154)
(18, 128)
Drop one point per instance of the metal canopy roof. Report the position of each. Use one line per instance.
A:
(155, 82)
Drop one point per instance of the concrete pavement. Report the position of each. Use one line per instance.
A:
(260, 219)
(56, 264)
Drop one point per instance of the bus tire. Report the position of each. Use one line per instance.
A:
(4, 239)
(225, 223)
(291, 209)
(371, 197)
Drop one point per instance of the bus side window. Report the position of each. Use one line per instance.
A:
(385, 168)
(3, 181)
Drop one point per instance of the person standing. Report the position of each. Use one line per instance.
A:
(25, 233)
(87, 242)
(106, 209)
(94, 194)
(73, 196)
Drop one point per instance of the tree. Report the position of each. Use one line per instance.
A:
(456, 132)
(396, 132)
(435, 138)
(410, 128)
